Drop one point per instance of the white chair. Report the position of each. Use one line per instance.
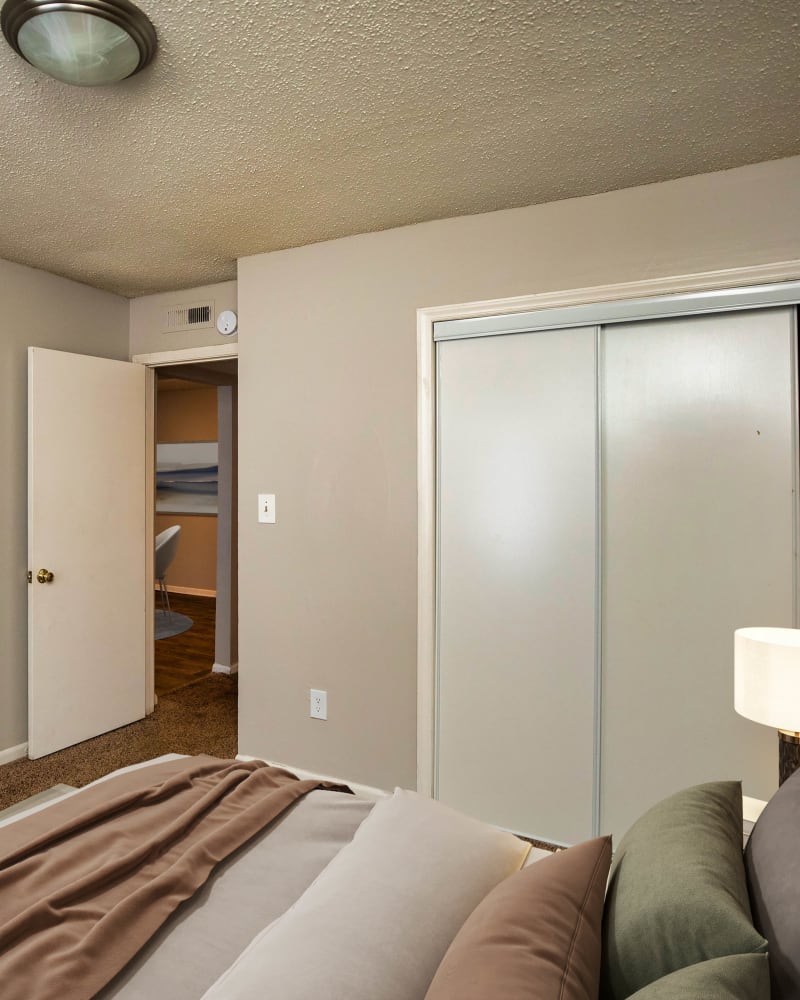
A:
(166, 546)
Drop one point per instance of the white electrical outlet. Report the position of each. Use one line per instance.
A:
(319, 704)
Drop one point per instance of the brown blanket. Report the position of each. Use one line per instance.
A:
(86, 882)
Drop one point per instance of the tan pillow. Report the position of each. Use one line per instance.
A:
(537, 934)
(376, 922)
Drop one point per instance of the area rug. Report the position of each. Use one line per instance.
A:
(169, 623)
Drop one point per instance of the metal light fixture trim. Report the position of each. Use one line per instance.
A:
(122, 13)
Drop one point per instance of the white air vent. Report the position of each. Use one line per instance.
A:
(197, 316)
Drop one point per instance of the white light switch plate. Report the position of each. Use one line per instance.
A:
(266, 508)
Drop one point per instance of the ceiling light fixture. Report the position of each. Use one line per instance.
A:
(88, 43)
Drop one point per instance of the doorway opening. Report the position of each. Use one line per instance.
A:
(196, 601)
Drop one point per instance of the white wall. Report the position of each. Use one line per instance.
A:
(40, 310)
(327, 383)
(146, 319)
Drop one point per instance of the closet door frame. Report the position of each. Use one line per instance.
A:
(760, 286)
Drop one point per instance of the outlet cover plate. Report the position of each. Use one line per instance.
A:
(319, 704)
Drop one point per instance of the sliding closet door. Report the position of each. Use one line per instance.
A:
(516, 580)
(699, 470)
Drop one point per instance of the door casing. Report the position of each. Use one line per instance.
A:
(191, 355)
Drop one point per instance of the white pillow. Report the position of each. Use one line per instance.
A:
(377, 921)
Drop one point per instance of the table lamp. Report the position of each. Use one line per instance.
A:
(767, 686)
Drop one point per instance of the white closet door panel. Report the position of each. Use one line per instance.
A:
(516, 604)
(699, 468)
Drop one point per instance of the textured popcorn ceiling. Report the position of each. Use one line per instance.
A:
(264, 125)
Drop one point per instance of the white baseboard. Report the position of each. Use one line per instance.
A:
(363, 791)
(13, 753)
(223, 668)
(190, 591)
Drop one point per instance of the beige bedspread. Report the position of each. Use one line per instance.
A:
(84, 883)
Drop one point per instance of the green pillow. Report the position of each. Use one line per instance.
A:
(677, 893)
(735, 977)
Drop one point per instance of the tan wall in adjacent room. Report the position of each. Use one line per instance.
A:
(194, 568)
(187, 414)
(190, 415)
(38, 310)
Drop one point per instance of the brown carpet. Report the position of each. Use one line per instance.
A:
(198, 718)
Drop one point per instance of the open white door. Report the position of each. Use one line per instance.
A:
(87, 524)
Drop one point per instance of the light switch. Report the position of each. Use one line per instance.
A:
(266, 508)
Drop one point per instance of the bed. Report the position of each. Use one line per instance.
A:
(341, 896)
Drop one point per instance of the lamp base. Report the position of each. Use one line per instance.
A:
(788, 754)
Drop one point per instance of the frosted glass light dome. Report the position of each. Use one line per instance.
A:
(87, 43)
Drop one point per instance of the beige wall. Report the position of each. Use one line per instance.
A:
(146, 319)
(194, 568)
(327, 407)
(187, 414)
(190, 415)
(41, 310)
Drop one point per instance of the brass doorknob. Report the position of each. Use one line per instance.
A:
(44, 576)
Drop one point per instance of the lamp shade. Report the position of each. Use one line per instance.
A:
(87, 43)
(767, 676)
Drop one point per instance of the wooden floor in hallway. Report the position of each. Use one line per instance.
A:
(187, 657)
